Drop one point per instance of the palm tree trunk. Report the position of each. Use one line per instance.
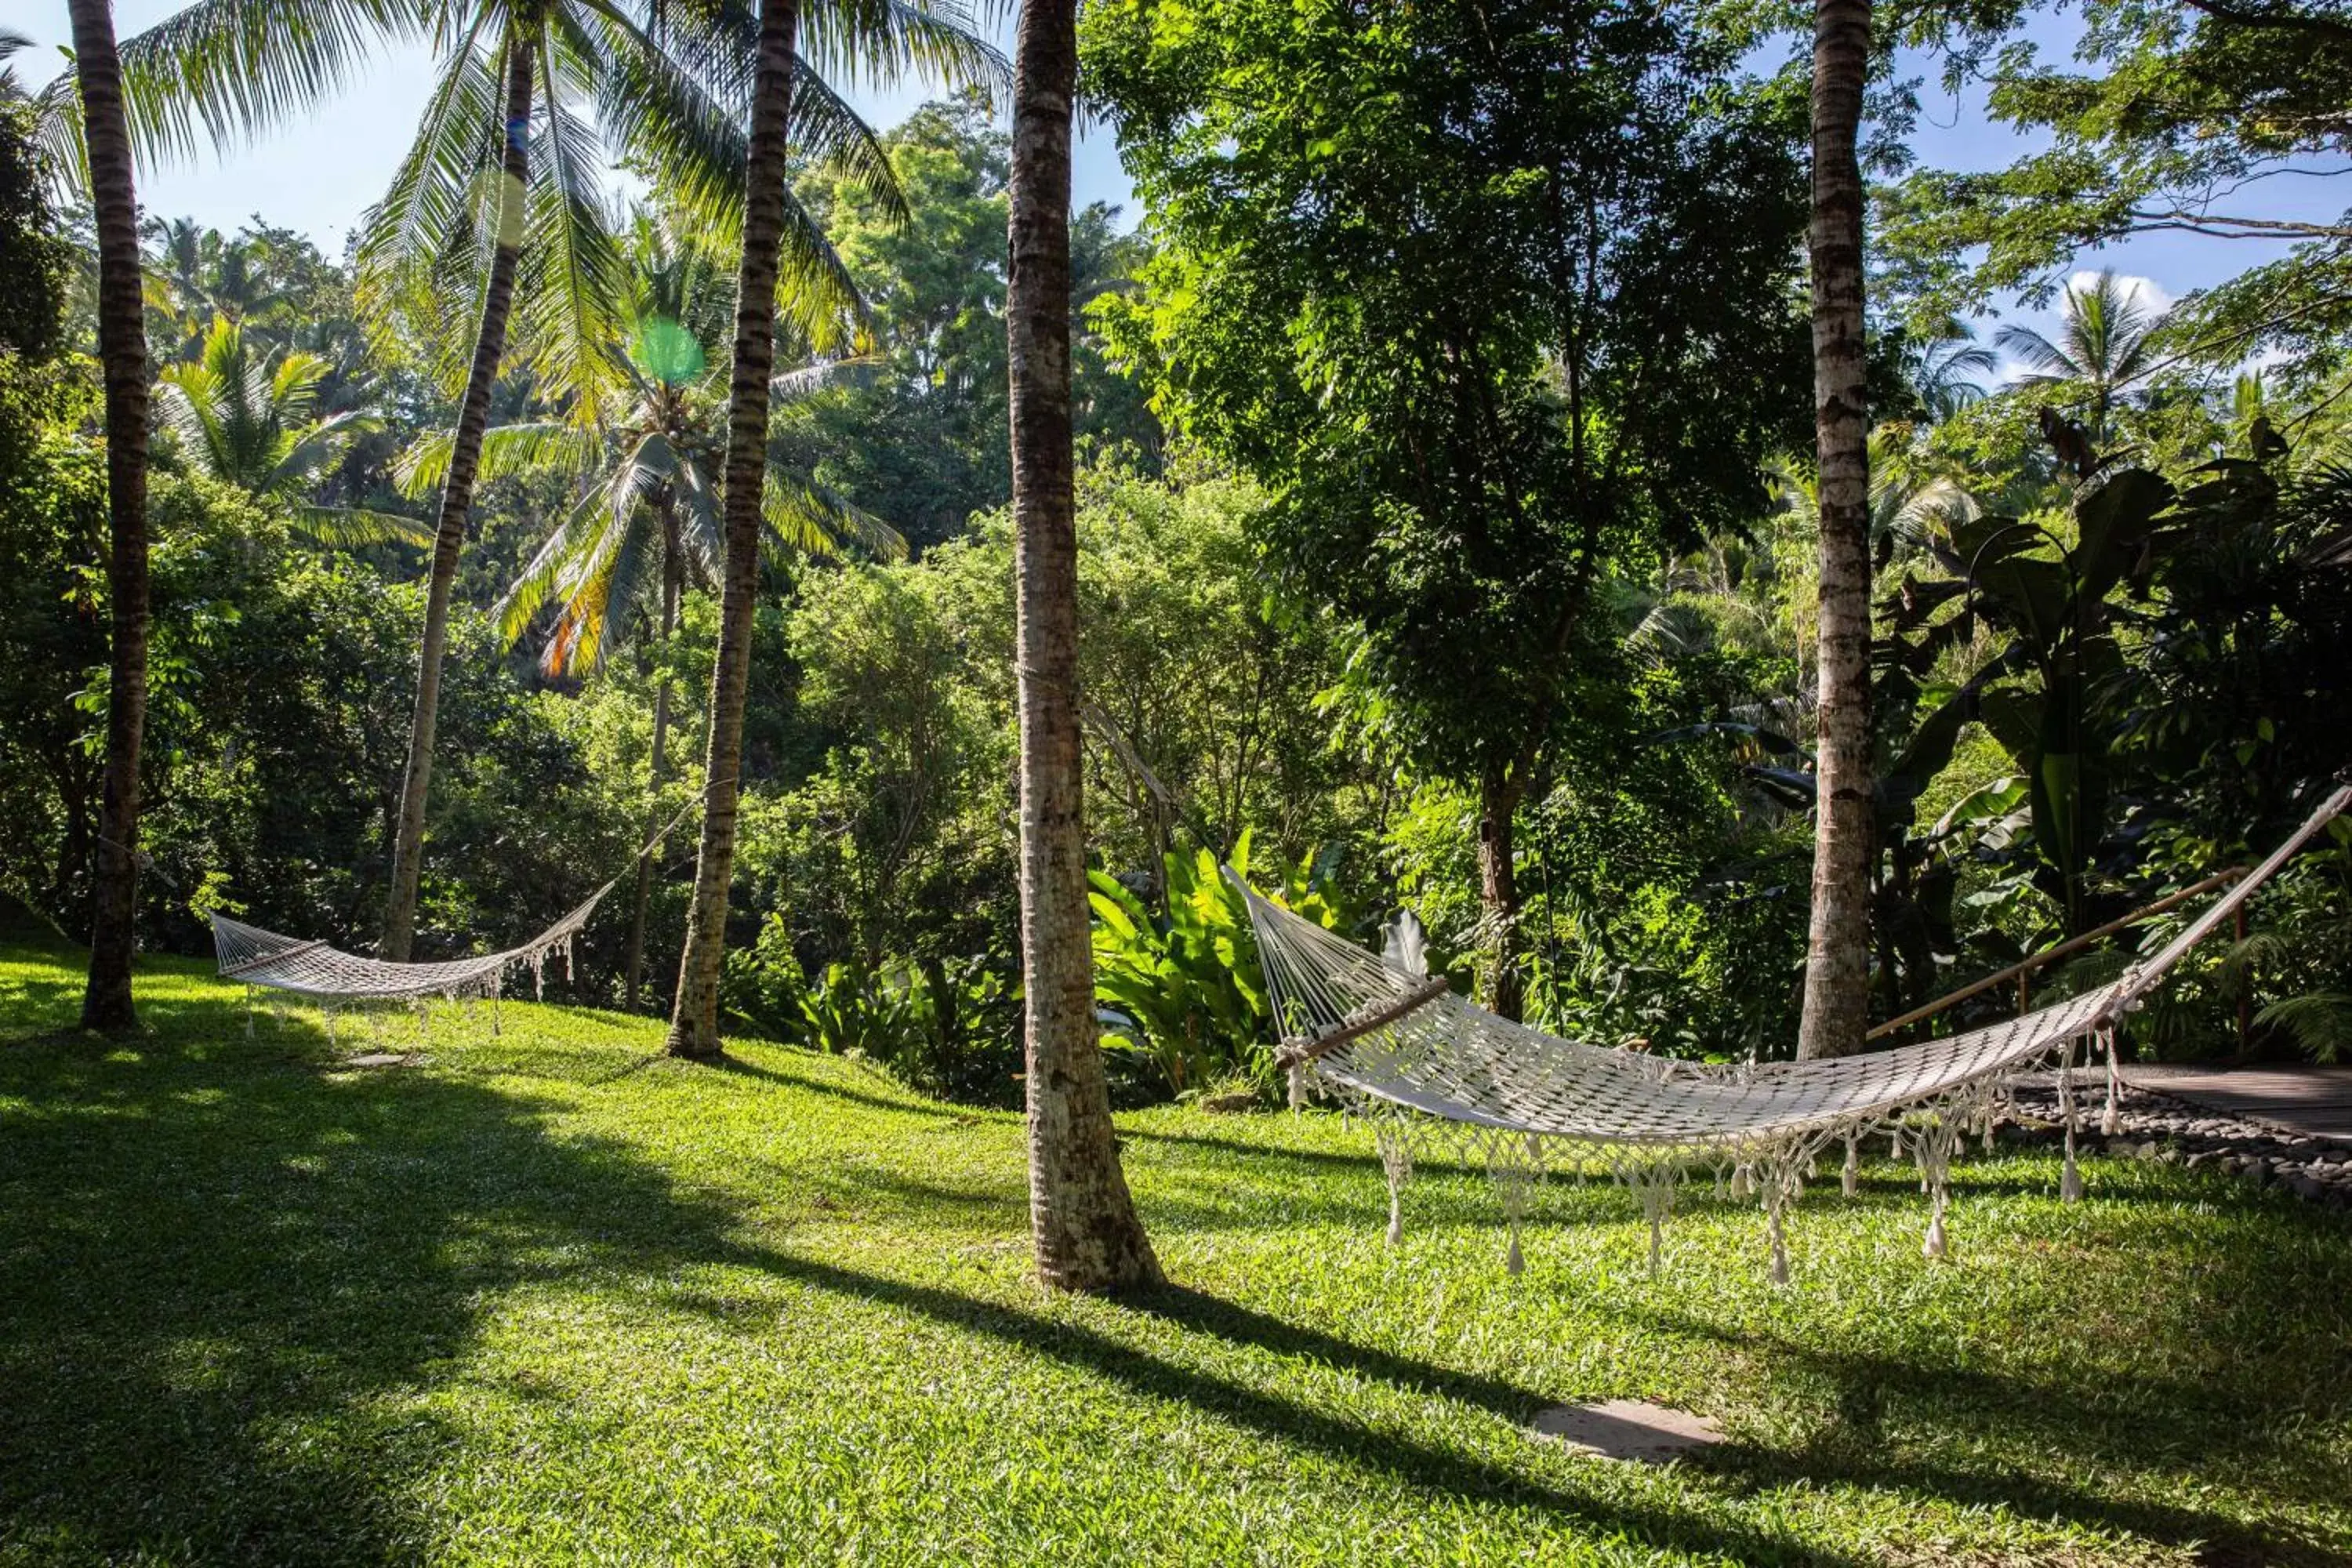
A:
(1087, 1234)
(458, 505)
(673, 575)
(693, 1022)
(122, 350)
(1837, 959)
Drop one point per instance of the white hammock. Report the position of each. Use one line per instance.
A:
(253, 956)
(1421, 1062)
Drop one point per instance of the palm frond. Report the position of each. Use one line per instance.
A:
(572, 289)
(831, 134)
(880, 43)
(353, 528)
(223, 71)
(804, 518)
(184, 407)
(543, 576)
(549, 447)
(676, 106)
(808, 379)
(2045, 361)
(306, 449)
(2319, 1022)
(430, 206)
(700, 533)
(595, 577)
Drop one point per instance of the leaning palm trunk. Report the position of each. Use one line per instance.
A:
(673, 583)
(1837, 962)
(123, 349)
(693, 1022)
(457, 507)
(1087, 1234)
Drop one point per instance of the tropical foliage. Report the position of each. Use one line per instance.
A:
(1496, 599)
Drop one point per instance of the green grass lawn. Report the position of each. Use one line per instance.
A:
(548, 1297)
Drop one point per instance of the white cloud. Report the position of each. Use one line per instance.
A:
(2147, 292)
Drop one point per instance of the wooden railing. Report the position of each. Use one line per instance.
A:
(2021, 971)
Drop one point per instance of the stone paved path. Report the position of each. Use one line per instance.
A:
(2171, 1122)
(2315, 1101)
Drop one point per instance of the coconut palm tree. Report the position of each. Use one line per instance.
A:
(1948, 368)
(197, 276)
(694, 1015)
(123, 355)
(1082, 1220)
(661, 90)
(645, 525)
(252, 420)
(1837, 962)
(2104, 348)
(500, 193)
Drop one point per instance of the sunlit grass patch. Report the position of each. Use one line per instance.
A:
(547, 1297)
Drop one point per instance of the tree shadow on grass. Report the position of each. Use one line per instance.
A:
(220, 1270)
(226, 1279)
(222, 1273)
(2133, 1422)
(906, 1104)
(1296, 1422)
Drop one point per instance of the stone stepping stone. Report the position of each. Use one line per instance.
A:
(1635, 1430)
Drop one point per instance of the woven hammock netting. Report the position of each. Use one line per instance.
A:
(318, 973)
(1430, 1069)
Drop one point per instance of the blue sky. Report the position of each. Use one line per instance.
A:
(319, 176)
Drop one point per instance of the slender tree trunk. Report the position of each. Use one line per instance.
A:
(457, 508)
(673, 573)
(1086, 1233)
(122, 350)
(693, 1022)
(1498, 890)
(1837, 959)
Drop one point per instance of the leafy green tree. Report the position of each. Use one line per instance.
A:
(197, 276)
(253, 421)
(1458, 451)
(926, 439)
(53, 502)
(2169, 119)
(507, 168)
